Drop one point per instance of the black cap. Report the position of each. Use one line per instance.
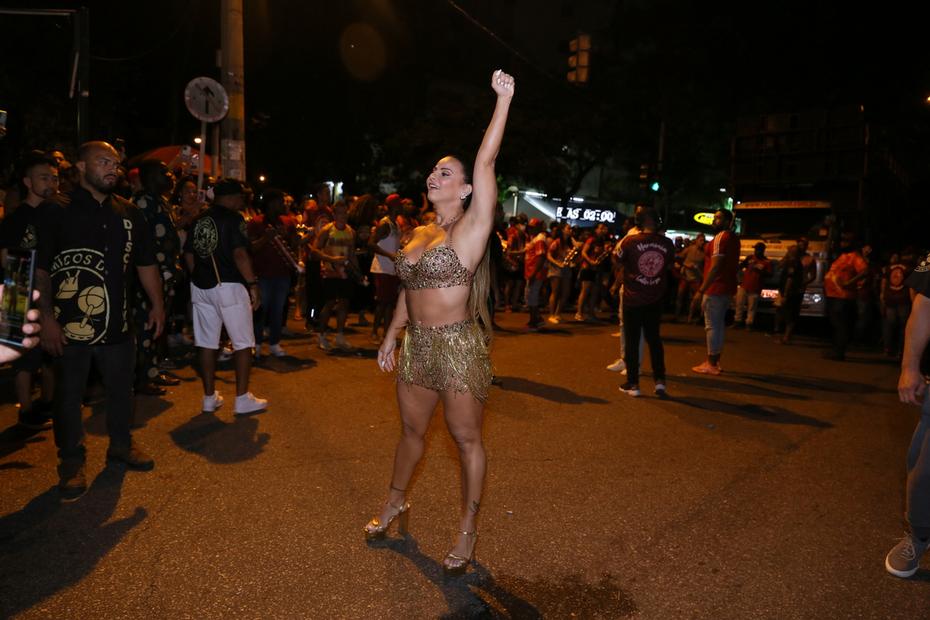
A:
(228, 187)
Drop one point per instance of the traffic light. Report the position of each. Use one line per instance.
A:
(644, 175)
(579, 59)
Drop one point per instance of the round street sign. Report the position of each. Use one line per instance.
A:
(206, 99)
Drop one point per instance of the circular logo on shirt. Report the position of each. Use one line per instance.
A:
(651, 263)
(30, 239)
(205, 237)
(81, 302)
(924, 265)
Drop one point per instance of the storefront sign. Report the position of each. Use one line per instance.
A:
(605, 216)
(704, 218)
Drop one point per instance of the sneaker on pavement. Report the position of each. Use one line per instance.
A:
(579, 317)
(71, 480)
(342, 343)
(225, 355)
(617, 365)
(904, 559)
(630, 388)
(212, 402)
(277, 350)
(324, 343)
(553, 319)
(165, 380)
(132, 455)
(247, 403)
(706, 368)
(660, 390)
(34, 420)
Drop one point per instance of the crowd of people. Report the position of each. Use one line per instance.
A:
(132, 263)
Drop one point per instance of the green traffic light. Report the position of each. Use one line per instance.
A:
(655, 186)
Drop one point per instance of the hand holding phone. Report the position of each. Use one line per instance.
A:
(16, 298)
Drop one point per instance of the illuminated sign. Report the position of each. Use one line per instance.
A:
(784, 204)
(605, 216)
(704, 218)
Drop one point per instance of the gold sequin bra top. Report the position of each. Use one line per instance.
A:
(438, 267)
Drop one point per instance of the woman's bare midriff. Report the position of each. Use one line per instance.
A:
(438, 306)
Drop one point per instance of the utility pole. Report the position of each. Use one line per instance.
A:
(232, 69)
(81, 83)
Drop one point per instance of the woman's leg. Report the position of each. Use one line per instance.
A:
(417, 405)
(555, 295)
(464, 416)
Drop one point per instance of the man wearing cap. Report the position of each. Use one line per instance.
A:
(754, 268)
(86, 253)
(535, 269)
(224, 293)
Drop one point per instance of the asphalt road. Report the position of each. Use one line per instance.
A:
(773, 491)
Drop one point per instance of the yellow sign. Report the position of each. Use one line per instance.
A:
(704, 218)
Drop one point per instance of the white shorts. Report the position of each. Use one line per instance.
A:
(225, 305)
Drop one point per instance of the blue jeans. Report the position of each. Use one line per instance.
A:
(715, 314)
(918, 476)
(271, 312)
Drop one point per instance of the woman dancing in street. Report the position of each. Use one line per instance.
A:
(443, 305)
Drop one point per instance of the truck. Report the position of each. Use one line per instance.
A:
(780, 224)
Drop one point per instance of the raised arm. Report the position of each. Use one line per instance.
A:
(480, 215)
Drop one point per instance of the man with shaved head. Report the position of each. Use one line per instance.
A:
(87, 252)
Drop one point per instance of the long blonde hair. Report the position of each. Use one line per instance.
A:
(481, 280)
(479, 293)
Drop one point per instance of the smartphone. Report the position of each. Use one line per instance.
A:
(16, 295)
(3, 118)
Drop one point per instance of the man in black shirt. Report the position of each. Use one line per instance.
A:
(19, 233)
(156, 182)
(86, 251)
(224, 293)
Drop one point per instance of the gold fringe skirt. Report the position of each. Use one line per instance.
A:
(450, 357)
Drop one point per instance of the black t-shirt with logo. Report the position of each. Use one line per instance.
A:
(90, 250)
(217, 233)
(919, 280)
(20, 229)
(646, 258)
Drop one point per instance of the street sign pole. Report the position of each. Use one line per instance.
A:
(203, 156)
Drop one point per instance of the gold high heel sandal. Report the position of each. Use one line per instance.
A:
(376, 530)
(455, 564)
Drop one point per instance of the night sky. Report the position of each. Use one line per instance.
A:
(415, 84)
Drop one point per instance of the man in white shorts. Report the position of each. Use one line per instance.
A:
(224, 293)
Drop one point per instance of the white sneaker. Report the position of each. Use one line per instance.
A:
(579, 317)
(212, 402)
(553, 319)
(324, 343)
(661, 392)
(617, 366)
(277, 350)
(248, 403)
(342, 343)
(225, 355)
